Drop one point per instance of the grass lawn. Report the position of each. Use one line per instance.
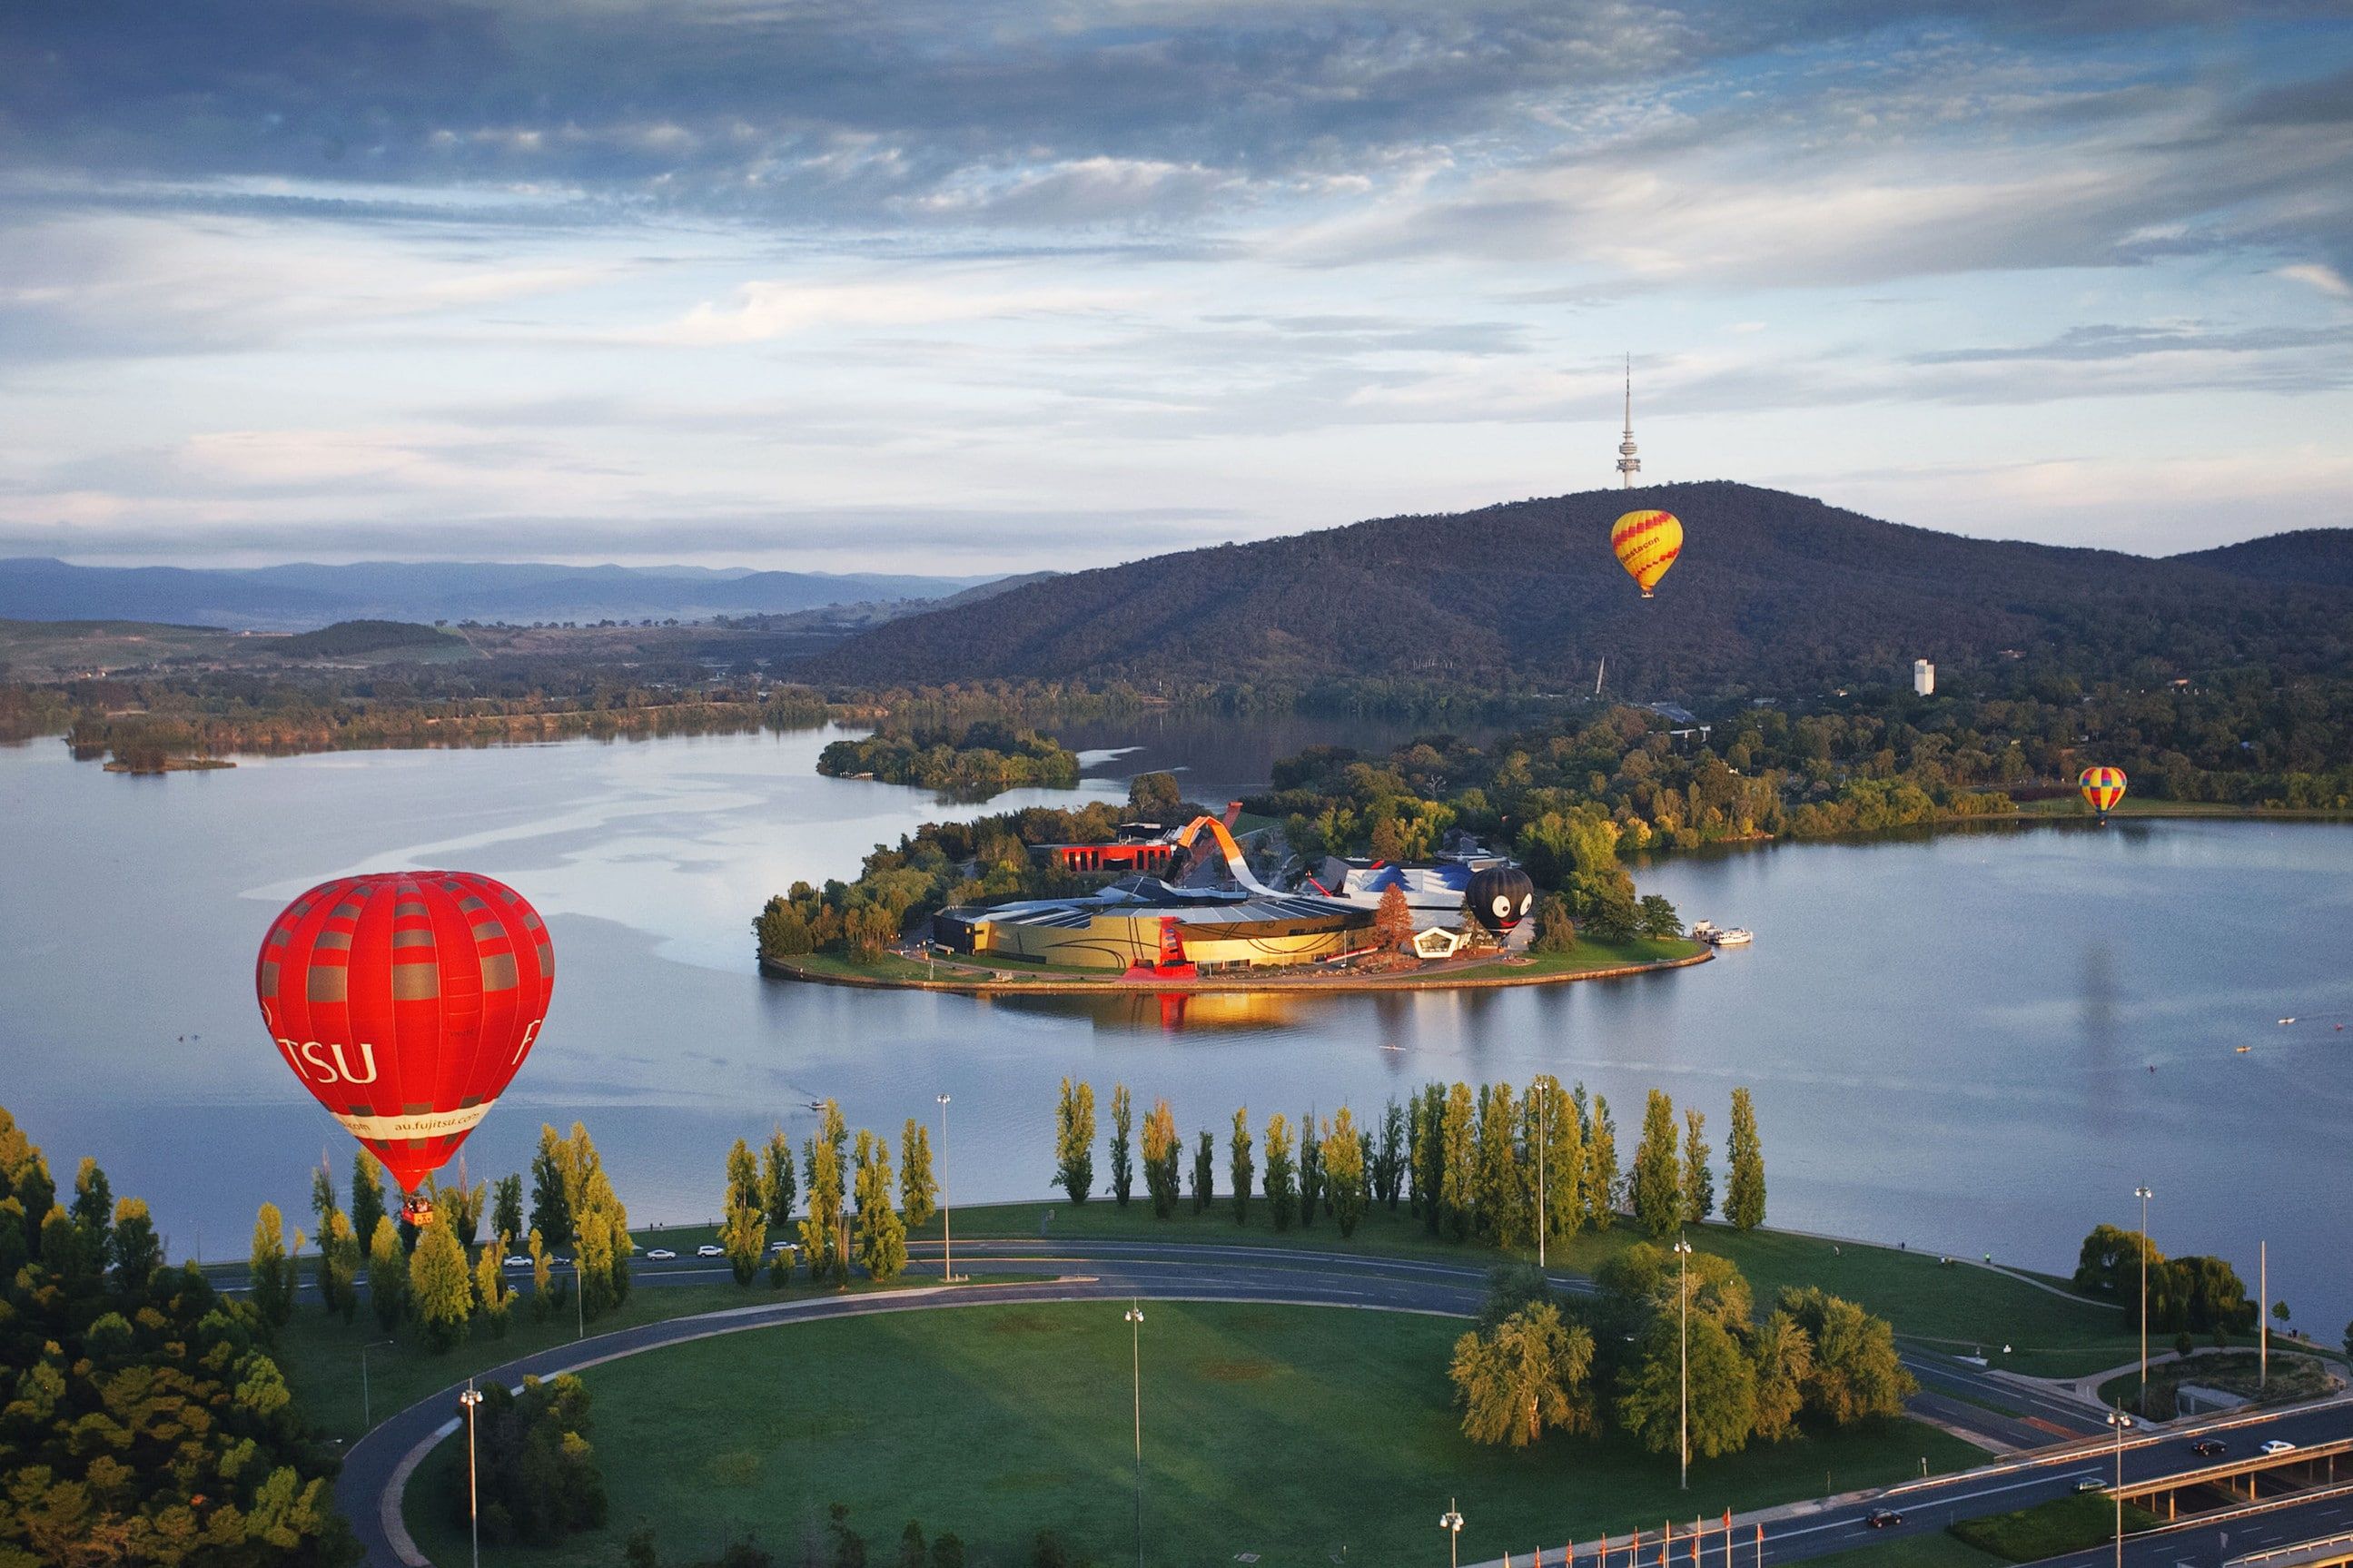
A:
(1938, 1549)
(1305, 1435)
(1592, 954)
(1960, 1308)
(320, 1356)
(2292, 1377)
(2052, 1529)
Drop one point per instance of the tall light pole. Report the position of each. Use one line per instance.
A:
(1135, 1361)
(1683, 1417)
(1451, 1521)
(580, 1296)
(2143, 1194)
(471, 1397)
(2119, 1420)
(367, 1417)
(947, 1227)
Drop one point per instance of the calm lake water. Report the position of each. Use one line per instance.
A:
(1974, 1042)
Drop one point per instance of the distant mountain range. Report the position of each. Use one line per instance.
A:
(300, 596)
(1774, 592)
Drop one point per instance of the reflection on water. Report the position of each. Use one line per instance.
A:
(1951, 1038)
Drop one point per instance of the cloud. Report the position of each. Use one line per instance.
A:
(2320, 276)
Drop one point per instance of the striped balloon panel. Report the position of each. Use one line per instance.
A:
(2103, 786)
(404, 1002)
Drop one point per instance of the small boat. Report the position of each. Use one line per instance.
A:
(2245, 1050)
(1734, 936)
(2288, 1020)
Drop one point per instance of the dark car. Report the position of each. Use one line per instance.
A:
(1883, 1519)
(2208, 1448)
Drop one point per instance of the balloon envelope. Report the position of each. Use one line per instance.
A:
(1500, 897)
(405, 1002)
(1646, 543)
(2103, 786)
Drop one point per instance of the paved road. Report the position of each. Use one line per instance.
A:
(1113, 1270)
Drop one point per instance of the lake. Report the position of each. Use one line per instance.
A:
(1972, 1042)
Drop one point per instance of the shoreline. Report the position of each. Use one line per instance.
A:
(1015, 985)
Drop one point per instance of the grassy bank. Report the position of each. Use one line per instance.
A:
(1304, 1435)
(2053, 1528)
(2293, 1376)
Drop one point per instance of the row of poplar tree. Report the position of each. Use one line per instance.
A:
(761, 1191)
(1485, 1166)
(447, 1275)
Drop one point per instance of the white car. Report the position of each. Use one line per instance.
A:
(662, 1255)
(710, 1250)
(776, 1246)
(2090, 1484)
(518, 1260)
(2277, 1445)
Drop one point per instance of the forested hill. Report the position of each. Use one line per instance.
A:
(1774, 592)
(2317, 557)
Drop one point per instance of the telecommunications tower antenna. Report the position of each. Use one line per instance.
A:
(1629, 465)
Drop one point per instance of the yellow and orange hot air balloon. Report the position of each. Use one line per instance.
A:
(1647, 543)
(2103, 787)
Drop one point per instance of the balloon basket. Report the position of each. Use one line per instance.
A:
(416, 1213)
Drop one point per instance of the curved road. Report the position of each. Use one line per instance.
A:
(1954, 1394)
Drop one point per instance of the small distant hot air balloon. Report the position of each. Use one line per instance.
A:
(1500, 897)
(2103, 786)
(1647, 543)
(405, 1002)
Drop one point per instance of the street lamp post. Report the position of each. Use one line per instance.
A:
(1451, 1521)
(947, 1227)
(471, 1397)
(579, 1300)
(2119, 1420)
(1135, 1363)
(1683, 1417)
(367, 1416)
(2143, 1194)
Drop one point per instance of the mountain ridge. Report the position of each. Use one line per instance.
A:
(1774, 591)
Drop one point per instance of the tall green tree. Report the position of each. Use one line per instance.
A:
(1428, 1157)
(1744, 1198)
(1722, 1389)
(1389, 1161)
(1204, 1156)
(1345, 1175)
(440, 1285)
(1783, 1356)
(1458, 1163)
(367, 1196)
(271, 1275)
(493, 1297)
(1123, 1144)
(338, 1269)
(1600, 1166)
(1160, 1146)
(1698, 1175)
(506, 1206)
(1282, 1189)
(881, 1238)
(137, 1251)
(93, 1212)
(551, 1205)
(387, 1274)
(822, 1230)
(1658, 1174)
(778, 1194)
(1856, 1375)
(465, 1204)
(1074, 1140)
(1549, 1120)
(1240, 1170)
(919, 1190)
(323, 1201)
(743, 1227)
(1504, 1217)
(1530, 1373)
(743, 1179)
(1311, 1169)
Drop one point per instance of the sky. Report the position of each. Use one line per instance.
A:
(969, 285)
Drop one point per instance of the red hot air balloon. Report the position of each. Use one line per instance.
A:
(405, 1002)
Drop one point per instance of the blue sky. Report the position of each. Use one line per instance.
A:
(964, 285)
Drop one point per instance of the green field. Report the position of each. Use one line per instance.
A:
(2053, 1528)
(1939, 1549)
(1957, 1307)
(1305, 1435)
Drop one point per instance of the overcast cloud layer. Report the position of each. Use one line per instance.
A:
(964, 285)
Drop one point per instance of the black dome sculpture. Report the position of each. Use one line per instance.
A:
(1501, 896)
